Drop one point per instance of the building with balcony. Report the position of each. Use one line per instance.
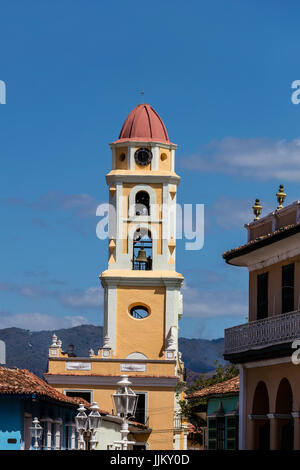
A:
(264, 348)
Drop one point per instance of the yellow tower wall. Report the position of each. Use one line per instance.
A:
(140, 335)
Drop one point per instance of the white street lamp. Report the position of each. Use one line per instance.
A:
(125, 401)
(81, 421)
(87, 425)
(94, 423)
(36, 433)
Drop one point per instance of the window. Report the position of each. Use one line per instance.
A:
(288, 288)
(142, 203)
(212, 433)
(232, 432)
(262, 296)
(220, 433)
(216, 433)
(139, 311)
(80, 393)
(140, 412)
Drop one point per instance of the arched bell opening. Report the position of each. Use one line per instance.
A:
(142, 250)
(142, 203)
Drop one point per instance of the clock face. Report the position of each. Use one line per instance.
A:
(143, 156)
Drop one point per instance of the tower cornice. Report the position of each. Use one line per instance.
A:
(142, 142)
(128, 176)
(125, 277)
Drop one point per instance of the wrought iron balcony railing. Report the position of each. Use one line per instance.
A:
(263, 333)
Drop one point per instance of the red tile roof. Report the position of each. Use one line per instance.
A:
(221, 388)
(113, 375)
(138, 425)
(143, 123)
(22, 382)
(258, 242)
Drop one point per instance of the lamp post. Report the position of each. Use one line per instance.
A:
(36, 433)
(94, 423)
(125, 401)
(81, 425)
(87, 425)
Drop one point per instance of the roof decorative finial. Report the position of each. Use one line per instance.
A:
(257, 208)
(280, 197)
(54, 340)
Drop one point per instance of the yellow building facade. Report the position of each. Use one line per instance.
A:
(266, 349)
(142, 299)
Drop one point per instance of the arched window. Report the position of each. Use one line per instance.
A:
(260, 409)
(284, 398)
(142, 250)
(142, 203)
(260, 400)
(139, 312)
(284, 407)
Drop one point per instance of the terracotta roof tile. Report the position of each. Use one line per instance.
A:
(113, 375)
(260, 240)
(221, 388)
(143, 123)
(22, 382)
(138, 425)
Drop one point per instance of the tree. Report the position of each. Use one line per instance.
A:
(191, 405)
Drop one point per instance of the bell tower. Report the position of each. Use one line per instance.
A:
(143, 302)
(142, 299)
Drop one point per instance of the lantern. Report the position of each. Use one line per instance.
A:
(81, 419)
(125, 400)
(94, 418)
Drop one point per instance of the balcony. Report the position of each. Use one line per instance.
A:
(264, 333)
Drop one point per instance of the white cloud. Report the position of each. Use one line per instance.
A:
(259, 158)
(90, 298)
(31, 291)
(38, 321)
(211, 304)
(230, 213)
(81, 205)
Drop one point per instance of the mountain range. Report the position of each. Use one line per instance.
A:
(27, 349)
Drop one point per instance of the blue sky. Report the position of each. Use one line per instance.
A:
(219, 74)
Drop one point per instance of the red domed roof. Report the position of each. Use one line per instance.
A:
(143, 123)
